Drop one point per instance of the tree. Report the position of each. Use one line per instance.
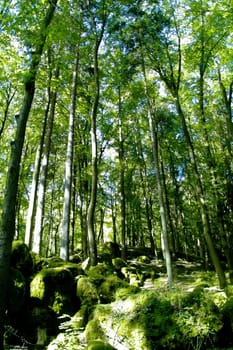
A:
(9, 205)
(64, 247)
(98, 28)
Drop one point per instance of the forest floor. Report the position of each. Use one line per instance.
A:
(186, 275)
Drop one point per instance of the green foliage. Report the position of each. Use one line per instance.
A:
(198, 318)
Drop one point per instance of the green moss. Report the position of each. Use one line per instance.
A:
(118, 263)
(143, 259)
(109, 287)
(61, 304)
(98, 273)
(94, 331)
(21, 258)
(51, 279)
(99, 345)
(125, 292)
(55, 288)
(87, 291)
(81, 317)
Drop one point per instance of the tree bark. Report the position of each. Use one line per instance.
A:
(164, 237)
(154, 140)
(38, 229)
(94, 163)
(7, 229)
(202, 201)
(64, 247)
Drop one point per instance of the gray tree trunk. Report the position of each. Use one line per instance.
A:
(64, 247)
(38, 229)
(94, 166)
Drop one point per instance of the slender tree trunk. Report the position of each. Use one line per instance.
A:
(168, 210)
(8, 102)
(36, 173)
(33, 195)
(7, 229)
(201, 196)
(165, 246)
(94, 165)
(154, 139)
(65, 235)
(143, 174)
(227, 99)
(38, 229)
(121, 153)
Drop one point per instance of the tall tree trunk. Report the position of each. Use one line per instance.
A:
(168, 209)
(227, 99)
(64, 247)
(154, 140)
(7, 229)
(165, 246)
(94, 165)
(38, 229)
(36, 173)
(172, 81)
(202, 200)
(35, 180)
(121, 153)
(143, 175)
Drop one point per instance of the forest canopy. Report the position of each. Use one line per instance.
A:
(116, 125)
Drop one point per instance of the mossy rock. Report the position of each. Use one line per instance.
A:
(98, 273)
(87, 291)
(118, 263)
(55, 287)
(80, 319)
(76, 258)
(21, 258)
(39, 262)
(75, 269)
(17, 291)
(69, 341)
(99, 345)
(125, 292)
(143, 259)
(139, 322)
(109, 287)
(94, 331)
(107, 251)
(51, 279)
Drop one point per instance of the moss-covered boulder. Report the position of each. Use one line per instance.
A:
(147, 320)
(109, 286)
(55, 287)
(107, 251)
(87, 291)
(99, 345)
(98, 273)
(21, 258)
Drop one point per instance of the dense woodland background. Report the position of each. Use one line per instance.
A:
(116, 124)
